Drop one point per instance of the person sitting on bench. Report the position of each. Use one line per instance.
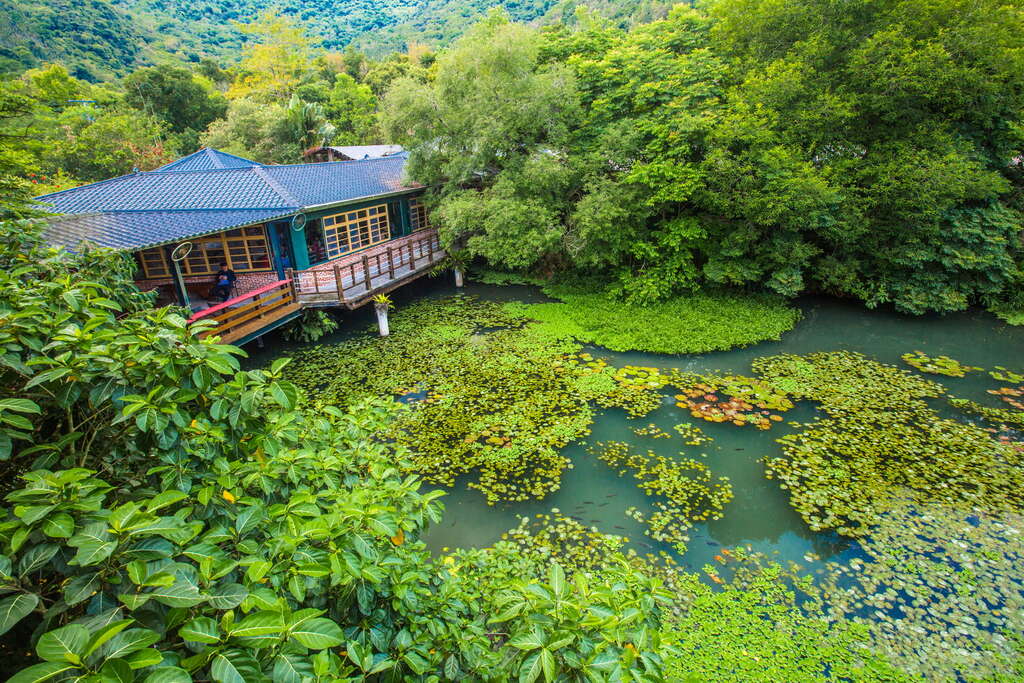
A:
(224, 283)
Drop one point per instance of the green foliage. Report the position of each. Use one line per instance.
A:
(93, 38)
(694, 323)
(310, 326)
(95, 145)
(255, 131)
(175, 97)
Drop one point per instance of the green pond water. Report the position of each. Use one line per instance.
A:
(759, 516)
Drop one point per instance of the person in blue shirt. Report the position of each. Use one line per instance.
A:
(223, 284)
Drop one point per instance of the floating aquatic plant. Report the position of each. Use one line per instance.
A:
(844, 381)
(882, 443)
(688, 492)
(486, 396)
(1000, 416)
(938, 588)
(692, 435)
(733, 398)
(1010, 395)
(652, 430)
(1001, 374)
(938, 365)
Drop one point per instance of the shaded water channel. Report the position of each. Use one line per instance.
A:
(759, 516)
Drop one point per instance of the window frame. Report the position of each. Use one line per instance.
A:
(344, 224)
(237, 238)
(417, 209)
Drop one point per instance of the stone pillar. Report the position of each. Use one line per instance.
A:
(382, 320)
(458, 276)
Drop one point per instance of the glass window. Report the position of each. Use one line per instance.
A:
(153, 262)
(418, 215)
(345, 232)
(245, 249)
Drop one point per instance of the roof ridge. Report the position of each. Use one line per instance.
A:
(213, 158)
(277, 187)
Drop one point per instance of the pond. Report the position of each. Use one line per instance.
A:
(759, 516)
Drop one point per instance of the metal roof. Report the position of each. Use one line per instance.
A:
(206, 159)
(358, 152)
(122, 229)
(178, 201)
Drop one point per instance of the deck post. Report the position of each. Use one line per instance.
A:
(290, 276)
(391, 265)
(337, 281)
(366, 274)
(412, 257)
(430, 248)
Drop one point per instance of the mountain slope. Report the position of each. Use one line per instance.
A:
(100, 38)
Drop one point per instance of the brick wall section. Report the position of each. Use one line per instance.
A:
(244, 282)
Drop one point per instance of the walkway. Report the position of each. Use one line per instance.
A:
(360, 277)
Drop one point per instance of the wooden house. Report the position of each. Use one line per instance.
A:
(299, 235)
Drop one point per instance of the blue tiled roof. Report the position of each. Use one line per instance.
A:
(207, 159)
(316, 184)
(123, 229)
(185, 199)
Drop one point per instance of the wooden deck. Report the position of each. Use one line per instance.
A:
(250, 314)
(352, 282)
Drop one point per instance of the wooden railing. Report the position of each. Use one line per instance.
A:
(352, 279)
(248, 313)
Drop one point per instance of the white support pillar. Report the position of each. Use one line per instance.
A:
(458, 277)
(382, 320)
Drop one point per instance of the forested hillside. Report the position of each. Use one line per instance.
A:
(96, 39)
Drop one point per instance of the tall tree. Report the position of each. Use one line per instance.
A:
(172, 95)
(489, 131)
(275, 61)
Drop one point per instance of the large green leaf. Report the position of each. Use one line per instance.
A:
(41, 672)
(530, 668)
(65, 644)
(127, 642)
(201, 630)
(179, 594)
(20, 405)
(14, 608)
(292, 669)
(81, 588)
(262, 623)
(60, 525)
(168, 674)
(116, 671)
(233, 666)
(104, 634)
(317, 634)
(94, 545)
(227, 595)
(530, 640)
